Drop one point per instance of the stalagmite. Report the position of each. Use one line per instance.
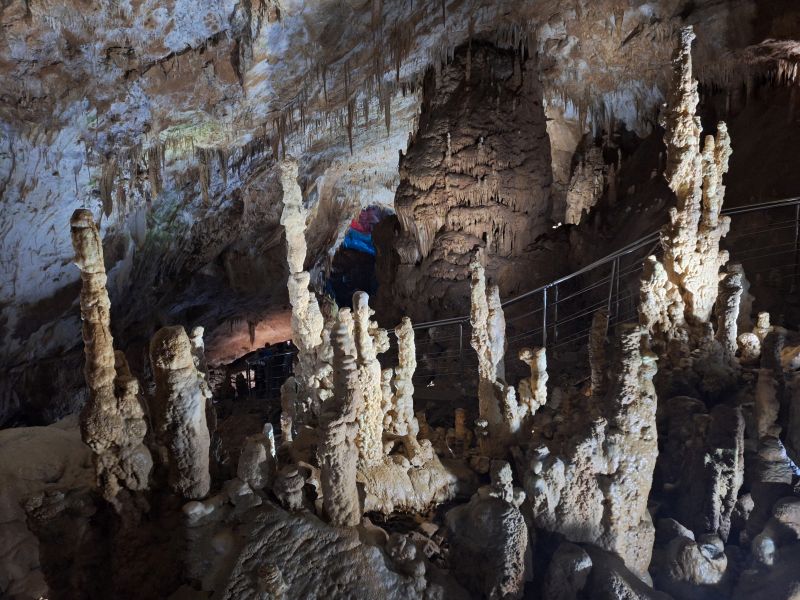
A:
(661, 308)
(730, 296)
(199, 356)
(595, 488)
(370, 419)
(179, 412)
(307, 321)
(713, 471)
(403, 421)
(597, 352)
(692, 258)
(763, 326)
(338, 452)
(112, 421)
(533, 391)
(488, 538)
(258, 460)
(481, 341)
(497, 332)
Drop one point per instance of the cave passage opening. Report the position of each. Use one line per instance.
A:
(353, 265)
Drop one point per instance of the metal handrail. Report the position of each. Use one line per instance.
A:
(651, 238)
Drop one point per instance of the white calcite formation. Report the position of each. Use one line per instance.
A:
(692, 257)
(533, 390)
(113, 421)
(497, 401)
(370, 418)
(309, 385)
(338, 452)
(486, 345)
(661, 307)
(594, 486)
(401, 420)
(179, 412)
(488, 538)
(731, 287)
(258, 460)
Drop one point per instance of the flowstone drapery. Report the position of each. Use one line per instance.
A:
(112, 421)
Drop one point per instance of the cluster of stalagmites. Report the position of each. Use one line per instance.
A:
(113, 422)
(712, 461)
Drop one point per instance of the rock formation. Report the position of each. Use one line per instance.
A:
(370, 417)
(113, 421)
(304, 391)
(338, 452)
(401, 415)
(730, 294)
(469, 180)
(595, 487)
(489, 538)
(692, 258)
(533, 390)
(179, 412)
(597, 352)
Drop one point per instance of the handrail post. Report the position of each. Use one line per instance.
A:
(616, 292)
(555, 314)
(611, 280)
(796, 241)
(461, 347)
(544, 317)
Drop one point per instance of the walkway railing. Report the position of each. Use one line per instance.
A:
(764, 238)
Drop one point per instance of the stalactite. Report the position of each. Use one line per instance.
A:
(107, 176)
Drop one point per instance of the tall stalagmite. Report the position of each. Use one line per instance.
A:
(179, 412)
(112, 421)
(370, 419)
(302, 394)
(692, 257)
(403, 421)
(591, 483)
(338, 452)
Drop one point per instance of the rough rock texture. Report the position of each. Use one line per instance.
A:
(370, 416)
(533, 390)
(586, 185)
(179, 412)
(476, 176)
(112, 422)
(168, 120)
(594, 488)
(318, 561)
(401, 420)
(731, 288)
(597, 352)
(692, 258)
(304, 391)
(488, 343)
(35, 460)
(338, 452)
(715, 474)
(257, 461)
(489, 538)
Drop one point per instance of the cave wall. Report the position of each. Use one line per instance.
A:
(476, 177)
